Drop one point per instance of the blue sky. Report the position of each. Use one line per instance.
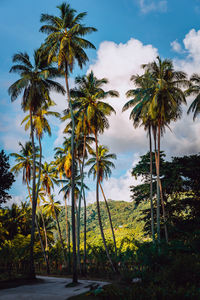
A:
(130, 32)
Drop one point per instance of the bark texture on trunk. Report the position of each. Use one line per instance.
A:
(75, 275)
(40, 167)
(34, 204)
(81, 167)
(159, 185)
(85, 234)
(151, 186)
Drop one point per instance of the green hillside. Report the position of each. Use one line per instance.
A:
(125, 217)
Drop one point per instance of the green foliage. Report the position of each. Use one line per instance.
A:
(6, 177)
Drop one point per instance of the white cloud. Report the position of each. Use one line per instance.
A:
(191, 63)
(118, 62)
(147, 6)
(12, 130)
(176, 46)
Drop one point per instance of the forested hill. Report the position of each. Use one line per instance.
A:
(125, 217)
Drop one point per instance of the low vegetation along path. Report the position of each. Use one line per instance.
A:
(50, 288)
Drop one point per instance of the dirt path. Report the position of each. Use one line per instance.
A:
(52, 288)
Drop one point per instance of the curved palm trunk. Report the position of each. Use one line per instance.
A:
(110, 219)
(158, 190)
(98, 207)
(67, 230)
(66, 220)
(34, 204)
(40, 167)
(42, 246)
(69, 247)
(157, 159)
(75, 275)
(59, 231)
(85, 235)
(151, 186)
(46, 242)
(163, 211)
(41, 243)
(79, 204)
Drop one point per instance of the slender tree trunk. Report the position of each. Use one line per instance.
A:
(98, 207)
(69, 247)
(34, 204)
(110, 219)
(151, 186)
(59, 231)
(158, 186)
(40, 166)
(67, 229)
(158, 190)
(46, 240)
(66, 218)
(75, 275)
(163, 211)
(85, 234)
(79, 203)
(42, 246)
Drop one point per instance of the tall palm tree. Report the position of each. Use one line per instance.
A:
(41, 125)
(105, 165)
(59, 163)
(167, 97)
(194, 89)
(141, 98)
(35, 84)
(48, 179)
(65, 42)
(90, 94)
(24, 163)
(82, 147)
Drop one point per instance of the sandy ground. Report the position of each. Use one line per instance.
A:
(52, 288)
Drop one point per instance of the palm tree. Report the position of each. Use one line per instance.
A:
(82, 146)
(65, 42)
(41, 197)
(24, 162)
(105, 165)
(35, 83)
(90, 94)
(165, 106)
(59, 163)
(48, 179)
(41, 125)
(194, 89)
(51, 208)
(139, 115)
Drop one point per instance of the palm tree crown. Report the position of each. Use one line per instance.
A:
(65, 37)
(194, 89)
(35, 80)
(105, 163)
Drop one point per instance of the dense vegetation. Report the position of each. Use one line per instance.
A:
(155, 237)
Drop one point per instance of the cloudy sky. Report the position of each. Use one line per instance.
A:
(130, 33)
